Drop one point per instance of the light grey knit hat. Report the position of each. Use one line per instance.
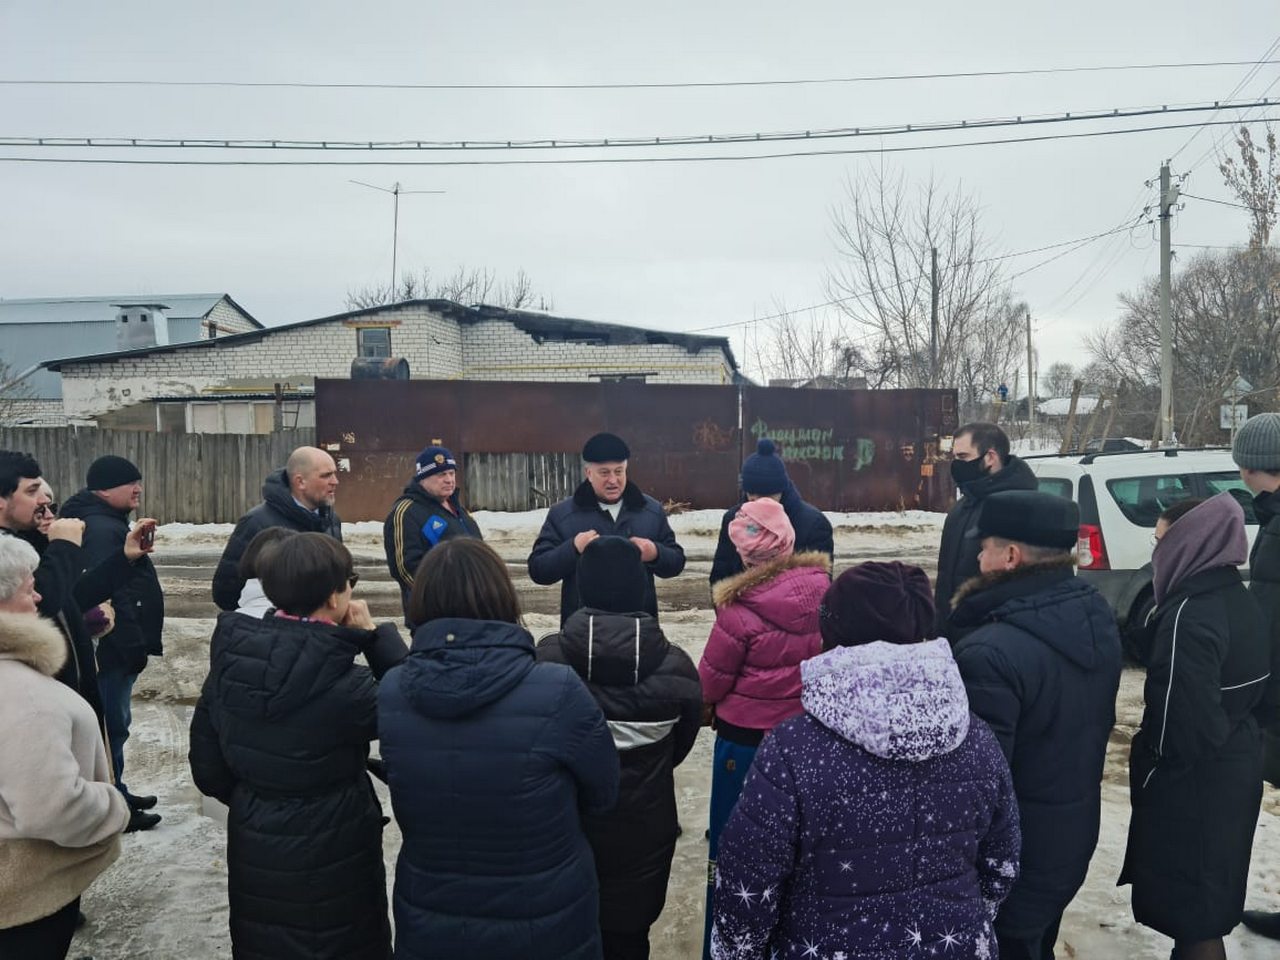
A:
(1257, 445)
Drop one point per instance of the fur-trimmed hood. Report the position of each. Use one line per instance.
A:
(985, 581)
(731, 589)
(33, 640)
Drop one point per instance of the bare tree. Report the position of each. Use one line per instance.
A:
(800, 349)
(885, 233)
(1255, 180)
(1058, 379)
(468, 286)
(15, 394)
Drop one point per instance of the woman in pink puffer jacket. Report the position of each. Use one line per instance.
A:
(766, 625)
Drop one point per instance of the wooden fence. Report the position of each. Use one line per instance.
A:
(519, 481)
(186, 477)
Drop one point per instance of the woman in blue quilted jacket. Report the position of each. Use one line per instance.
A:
(491, 758)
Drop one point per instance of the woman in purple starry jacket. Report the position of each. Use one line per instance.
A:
(880, 824)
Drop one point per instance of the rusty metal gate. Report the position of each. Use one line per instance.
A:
(845, 450)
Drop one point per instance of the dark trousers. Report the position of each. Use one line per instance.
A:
(48, 938)
(730, 763)
(625, 944)
(1038, 946)
(116, 689)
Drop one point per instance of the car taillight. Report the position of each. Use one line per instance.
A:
(1092, 552)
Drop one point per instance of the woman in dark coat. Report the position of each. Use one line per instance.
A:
(281, 736)
(882, 821)
(490, 757)
(1195, 770)
(652, 699)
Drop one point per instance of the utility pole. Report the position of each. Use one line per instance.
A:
(395, 192)
(1031, 378)
(933, 318)
(1168, 197)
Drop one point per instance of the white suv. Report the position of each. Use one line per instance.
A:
(1121, 495)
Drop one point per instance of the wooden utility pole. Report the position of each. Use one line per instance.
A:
(933, 318)
(1031, 379)
(1076, 387)
(1093, 422)
(1111, 416)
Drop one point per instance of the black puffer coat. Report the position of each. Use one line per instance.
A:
(1195, 771)
(813, 534)
(650, 694)
(1041, 664)
(281, 734)
(490, 758)
(958, 553)
(139, 604)
(416, 523)
(1264, 584)
(554, 558)
(277, 509)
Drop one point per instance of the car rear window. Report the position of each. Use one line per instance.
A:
(1232, 484)
(1143, 499)
(1056, 486)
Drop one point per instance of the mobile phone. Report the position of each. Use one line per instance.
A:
(148, 538)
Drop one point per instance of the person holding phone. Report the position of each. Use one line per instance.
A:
(112, 491)
(281, 735)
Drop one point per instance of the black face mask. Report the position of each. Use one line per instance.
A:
(966, 471)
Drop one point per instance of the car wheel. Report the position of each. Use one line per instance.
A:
(1138, 634)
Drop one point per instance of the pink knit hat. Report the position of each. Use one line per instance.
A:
(762, 532)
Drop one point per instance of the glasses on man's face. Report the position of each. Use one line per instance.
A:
(352, 580)
(47, 510)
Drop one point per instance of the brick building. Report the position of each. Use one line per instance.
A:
(229, 385)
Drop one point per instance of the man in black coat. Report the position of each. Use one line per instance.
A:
(67, 590)
(428, 512)
(606, 504)
(113, 490)
(651, 697)
(981, 465)
(1256, 451)
(1041, 663)
(299, 497)
(765, 475)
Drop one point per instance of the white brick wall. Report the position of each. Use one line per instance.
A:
(228, 320)
(436, 347)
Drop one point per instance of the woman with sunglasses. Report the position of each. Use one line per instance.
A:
(281, 736)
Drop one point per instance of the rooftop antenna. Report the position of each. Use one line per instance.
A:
(395, 192)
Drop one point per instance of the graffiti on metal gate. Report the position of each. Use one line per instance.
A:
(813, 443)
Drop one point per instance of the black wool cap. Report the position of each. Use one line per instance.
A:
(605, 448)
(611, 576)
(1031, 517)
(111, 471)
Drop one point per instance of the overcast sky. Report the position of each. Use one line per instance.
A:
(674, 246)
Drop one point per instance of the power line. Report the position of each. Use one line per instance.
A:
(623, 160)
(1076, 243)
(569, 143)
(1224, 203)
(1255, 67)
(658, 85)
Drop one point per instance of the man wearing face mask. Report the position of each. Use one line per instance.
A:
(981, 465)
(1256, 452)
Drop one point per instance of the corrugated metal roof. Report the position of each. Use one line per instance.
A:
(104, 309)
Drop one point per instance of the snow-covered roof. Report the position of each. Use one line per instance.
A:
(1061, 406)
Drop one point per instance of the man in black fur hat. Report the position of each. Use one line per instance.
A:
(606, 504)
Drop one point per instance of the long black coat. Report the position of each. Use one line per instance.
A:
(813, 534)
(1042, 664)
(416, 523)
(554, 558)
(958, 553)
(277, 509)
(490, 758)
(139, 603)
(649, 691)
(281, 734)
(1195, 769)
(1264, 585)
